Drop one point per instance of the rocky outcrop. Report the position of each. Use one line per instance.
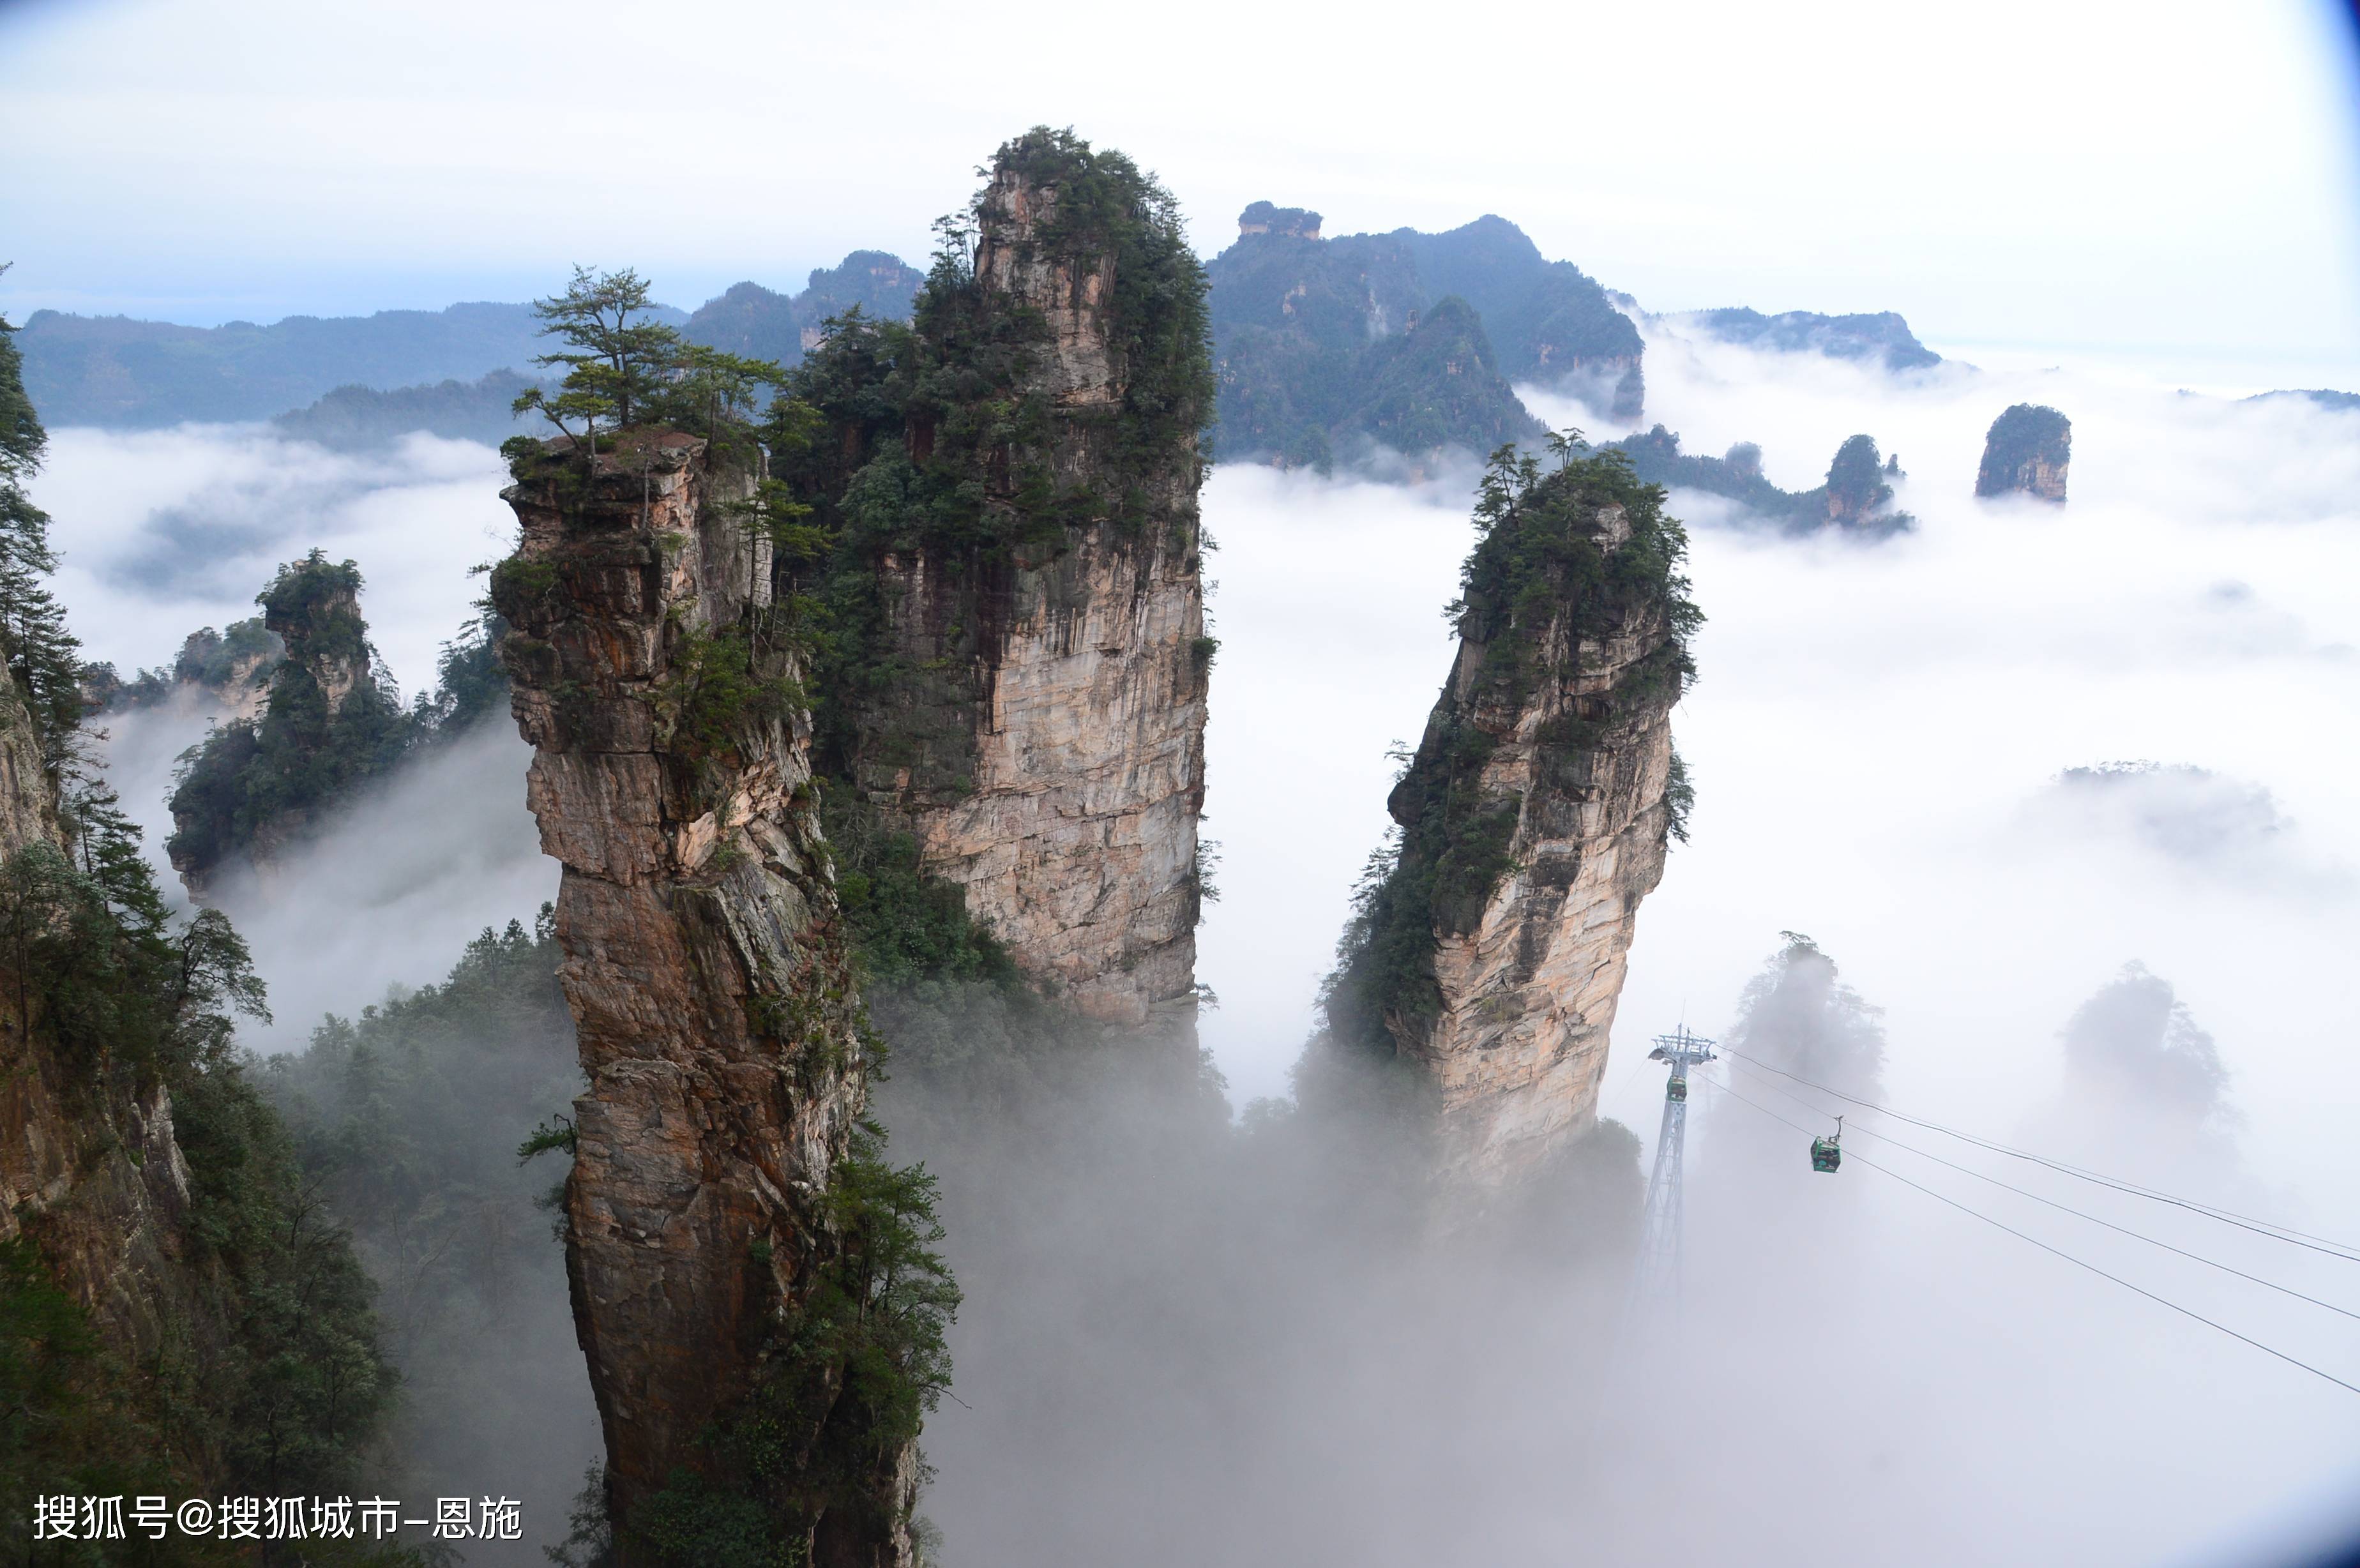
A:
(226, 673)
(1534, 820)
(1045, 739)
(98, 1178)
(2026, 453)
(1074, 833)
(1287, 223)
(261, 783)
(1859, 492)
(314, 609)
(716, 1009)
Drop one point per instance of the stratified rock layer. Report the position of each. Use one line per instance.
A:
(1528, 993)
(2026, 453)
(1076, 842)
(1064, 786)
(712, 991)
(1534, 818)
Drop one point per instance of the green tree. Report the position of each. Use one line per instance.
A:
(43, 658)
(618, 357)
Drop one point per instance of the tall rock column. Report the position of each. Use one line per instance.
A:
(1534, 820)
(1046, 749)
(715, 1007)
(2026, 453)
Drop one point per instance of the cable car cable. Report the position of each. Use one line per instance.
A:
(2244, 1221)
(2058, 1251)
(2077, 1214)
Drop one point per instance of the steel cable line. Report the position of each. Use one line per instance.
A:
(2077, 1214)
(2292, 1237)
(2058, 1251)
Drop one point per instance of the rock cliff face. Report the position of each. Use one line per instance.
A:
(1077, 841)
(717, 1014)
(2026, 453)
(100, 1180)
(1534, 820)
(1044, 741)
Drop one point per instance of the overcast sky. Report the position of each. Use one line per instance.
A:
(2150, 175)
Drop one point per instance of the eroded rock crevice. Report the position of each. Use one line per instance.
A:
(1534, 818)
(718, 1013)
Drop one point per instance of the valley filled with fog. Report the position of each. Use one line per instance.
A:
(1909, 750)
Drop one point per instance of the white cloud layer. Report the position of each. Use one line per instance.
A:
(1876, 741)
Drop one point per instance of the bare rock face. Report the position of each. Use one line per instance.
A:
(1529, 990)
(2026, 453)
(716, 1011)
(1534, 818)
(1077, 841)
(1021, 259)
(1050, 758)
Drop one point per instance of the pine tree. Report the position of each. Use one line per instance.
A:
(42, 656)
(620, 357)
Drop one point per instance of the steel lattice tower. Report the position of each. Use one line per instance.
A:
(1655, 1281)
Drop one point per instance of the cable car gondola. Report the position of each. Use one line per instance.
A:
(1827, 1153)
(1679, 1088)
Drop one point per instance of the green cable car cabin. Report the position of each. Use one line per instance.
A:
(1679, 1088)
(1827, 1153)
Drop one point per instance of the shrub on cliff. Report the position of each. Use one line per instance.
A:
(850, 1373)
(276, 1383)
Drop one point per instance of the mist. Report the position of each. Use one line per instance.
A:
(1985, 766)
(164, 531)
(1892, 747)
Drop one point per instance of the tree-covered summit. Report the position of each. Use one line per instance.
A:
(332, 723)
(1566, 557)
(2026, 451)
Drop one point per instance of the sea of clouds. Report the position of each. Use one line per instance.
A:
(1883, 740)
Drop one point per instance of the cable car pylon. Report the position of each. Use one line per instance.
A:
(1656, 1280)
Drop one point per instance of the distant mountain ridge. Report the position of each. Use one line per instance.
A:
(339, 379)
(355, 418)
(1884, 335)
(1325, 349)
(763, 323)
(1405, 339)
(116, 372)
(2325, 397)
